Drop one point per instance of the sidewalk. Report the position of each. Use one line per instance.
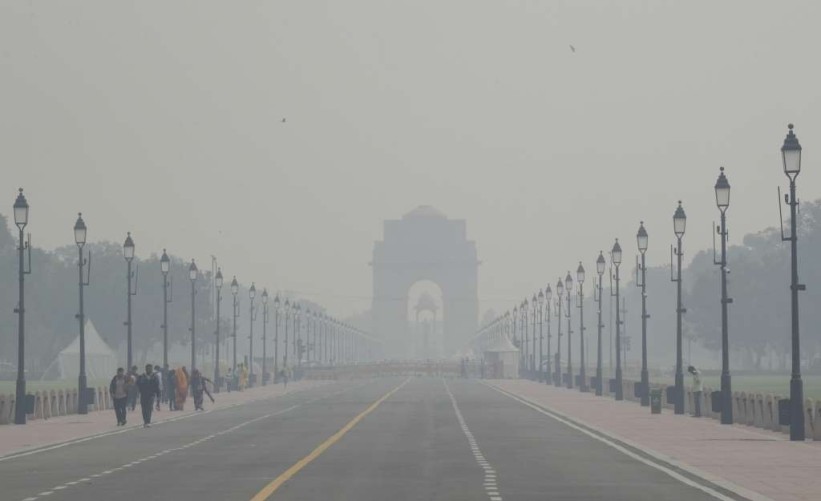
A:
(44, 432)
(763, 462)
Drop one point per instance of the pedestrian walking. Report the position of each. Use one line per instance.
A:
(149, 387)
(198, 387)
(171, 390)
(182, 388)
(698, 389)
(133, 391)
(119, 393)
(161, 381)
(229, 380)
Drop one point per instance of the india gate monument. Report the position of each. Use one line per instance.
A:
(424, 246)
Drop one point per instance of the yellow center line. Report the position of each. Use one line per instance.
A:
(275, 484)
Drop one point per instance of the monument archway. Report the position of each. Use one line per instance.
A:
(425, 245)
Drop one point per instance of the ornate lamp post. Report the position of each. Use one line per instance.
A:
(600, 265)
(287, 315)
(641, 241)
(722, 189)
(234, 292)
(679, 225)
(615, 257)
(534, 371)
(80, 232)
(516, 341)
(568, 285)
(548, 296)
(276, 339)
(192, 276)
(540, 302)
(791, 156)
(128, 253)
(165, 267)
(523, 311)
(264, 336)
(218, 286)
(21, 219)
(582, 375)
(559, 295)
(252, 294)
(298, 334)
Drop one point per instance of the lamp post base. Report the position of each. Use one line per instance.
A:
(599, 391)
(19, 402)
(82, 405)
(679, 396)
(619, 385)
(726, 400)
(796, 409)
(645, 388)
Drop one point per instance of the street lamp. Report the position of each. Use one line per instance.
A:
(548, 296)
(641, 275)
(128, 254)
(298, 334)
(21, 219)
(252, 294)
(534, 304)
(722, 189)
(791, 156)
(523, 311)
(568, 285)
(541, 335)
(264, 335)
(165, 267)
(679, 225)
(234, 292)
(218, 287)
(600, 265)
(80, 233)
(580, 280)
(287, 314)
(615, 257)
(192, 276)
(276, 338)
(559, 294)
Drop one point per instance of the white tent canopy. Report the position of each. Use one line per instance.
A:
(502, 359)
(101, 360)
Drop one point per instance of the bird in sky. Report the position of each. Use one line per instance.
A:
(573, 49)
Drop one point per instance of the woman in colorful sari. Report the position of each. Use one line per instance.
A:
(182, 388)
(243, 380)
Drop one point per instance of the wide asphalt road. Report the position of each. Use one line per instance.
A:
(386, 439)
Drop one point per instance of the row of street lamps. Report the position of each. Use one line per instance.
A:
(334, 342)
(513, 324)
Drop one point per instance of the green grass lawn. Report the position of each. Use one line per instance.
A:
(778, 384)
(7, 387)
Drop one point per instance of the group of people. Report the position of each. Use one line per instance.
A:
(154, 387)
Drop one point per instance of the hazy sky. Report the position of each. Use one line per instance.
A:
(165, 118)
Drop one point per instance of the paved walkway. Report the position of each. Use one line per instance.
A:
(765, 464)
(44, 432)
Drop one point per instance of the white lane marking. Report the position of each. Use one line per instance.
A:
(566, 421)
(59, 487)
(491, 489)
(196, 442)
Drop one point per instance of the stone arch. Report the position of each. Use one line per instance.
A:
(425, 245)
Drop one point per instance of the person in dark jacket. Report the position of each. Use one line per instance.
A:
(198, 387)
(119, 393)
(149, 387)
(171, 389)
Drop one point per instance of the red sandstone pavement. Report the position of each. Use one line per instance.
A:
(765, 463)
(44, 432)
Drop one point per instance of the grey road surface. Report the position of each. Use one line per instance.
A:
(429, 440)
